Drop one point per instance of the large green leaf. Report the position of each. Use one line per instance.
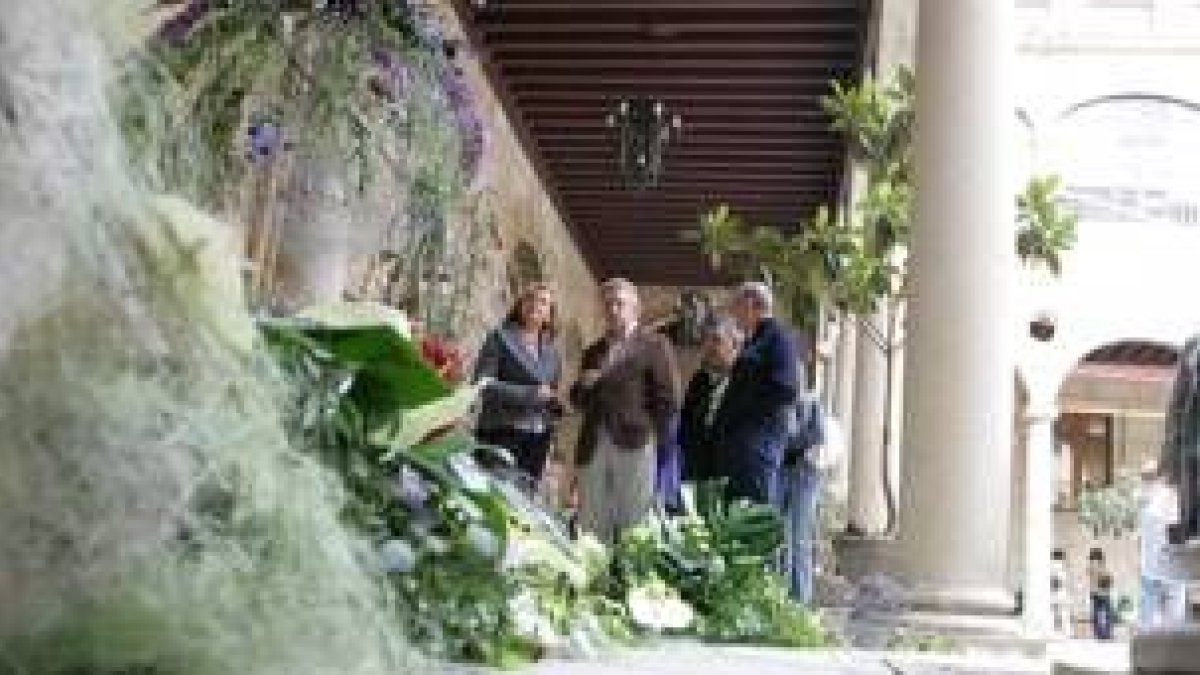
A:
(389, 373)
(410, 426)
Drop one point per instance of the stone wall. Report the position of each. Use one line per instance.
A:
(527, 220)
(534, 242)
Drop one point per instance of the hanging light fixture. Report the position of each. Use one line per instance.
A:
(643, 127)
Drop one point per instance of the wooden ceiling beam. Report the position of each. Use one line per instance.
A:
(665, 84)
(747, 77)
(681, 163)
(677, 177)
(506, 12)
(746, 23)
(799, 145)
(769, 98)
(806, 146)
(690, 128)
(689, 110)
(787, 205)
(715, 191)
(797, 193)
(812, 52)
(769, 72)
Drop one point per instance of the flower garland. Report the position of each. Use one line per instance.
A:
(356, 82)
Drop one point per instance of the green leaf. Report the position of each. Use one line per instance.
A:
(410, 426)
(390, 373)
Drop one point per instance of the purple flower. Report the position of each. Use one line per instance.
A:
(411, 488)
(393, 77)
(466, 117)
(264, 139)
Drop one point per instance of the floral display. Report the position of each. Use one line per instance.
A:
(327, 479)
(487, 572)
(444, 357)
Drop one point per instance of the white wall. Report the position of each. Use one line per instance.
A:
(1123, 280)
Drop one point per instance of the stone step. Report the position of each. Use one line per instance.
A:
(1167, 651)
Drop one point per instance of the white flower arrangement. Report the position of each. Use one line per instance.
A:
(656, 606)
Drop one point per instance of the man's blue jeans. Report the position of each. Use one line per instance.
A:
(800, 491)
(1163, 603)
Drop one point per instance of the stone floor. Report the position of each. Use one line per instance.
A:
(688, 658)
(694, 659)
(1074, 657)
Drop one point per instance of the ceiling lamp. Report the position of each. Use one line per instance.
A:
(643, 128)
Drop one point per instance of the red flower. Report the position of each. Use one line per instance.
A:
(444, 357)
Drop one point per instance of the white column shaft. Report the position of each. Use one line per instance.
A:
(868, 504)
(1039, 519)
(961, 331)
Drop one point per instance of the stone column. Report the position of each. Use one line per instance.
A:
(839, 402)
(315, 243)
(958, 401)
(1039, 515)
(867, 503)
(843, 395)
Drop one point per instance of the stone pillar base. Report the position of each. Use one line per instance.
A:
(1174, 649)
(963, 601)
(1166, 651)
(961, 633)
(859, 557)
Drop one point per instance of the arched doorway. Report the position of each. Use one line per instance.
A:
(1109, 429)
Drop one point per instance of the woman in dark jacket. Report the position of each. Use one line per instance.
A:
(703, 457)
(521, 366)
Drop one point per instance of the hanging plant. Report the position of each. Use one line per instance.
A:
(1044, 228)
(348, 81)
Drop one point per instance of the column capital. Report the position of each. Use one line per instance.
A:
(1040, 412)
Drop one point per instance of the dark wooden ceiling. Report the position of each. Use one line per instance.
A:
(1134, 353)
(746, 77)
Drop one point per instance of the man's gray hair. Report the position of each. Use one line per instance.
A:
(759, 293)
(725, 327)
(619, 285)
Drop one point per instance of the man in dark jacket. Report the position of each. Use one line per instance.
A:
(628, 393)
(754, 418)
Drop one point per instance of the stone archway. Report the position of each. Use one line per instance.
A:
(1129, 157)
(1108, 429)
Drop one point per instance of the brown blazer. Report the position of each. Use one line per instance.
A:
(636, 397)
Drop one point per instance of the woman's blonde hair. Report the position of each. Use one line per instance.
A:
(550, 328)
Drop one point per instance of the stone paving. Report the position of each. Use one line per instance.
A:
(1075, 657)
(696, 659)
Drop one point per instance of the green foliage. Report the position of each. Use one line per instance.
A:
(849, 260)
(846, 260)
(718, 557)
(1044, 228)
(876, 119)
(483, 574)
(1112, 510)
(487, 575)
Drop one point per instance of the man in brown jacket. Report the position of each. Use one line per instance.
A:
(628, 392)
